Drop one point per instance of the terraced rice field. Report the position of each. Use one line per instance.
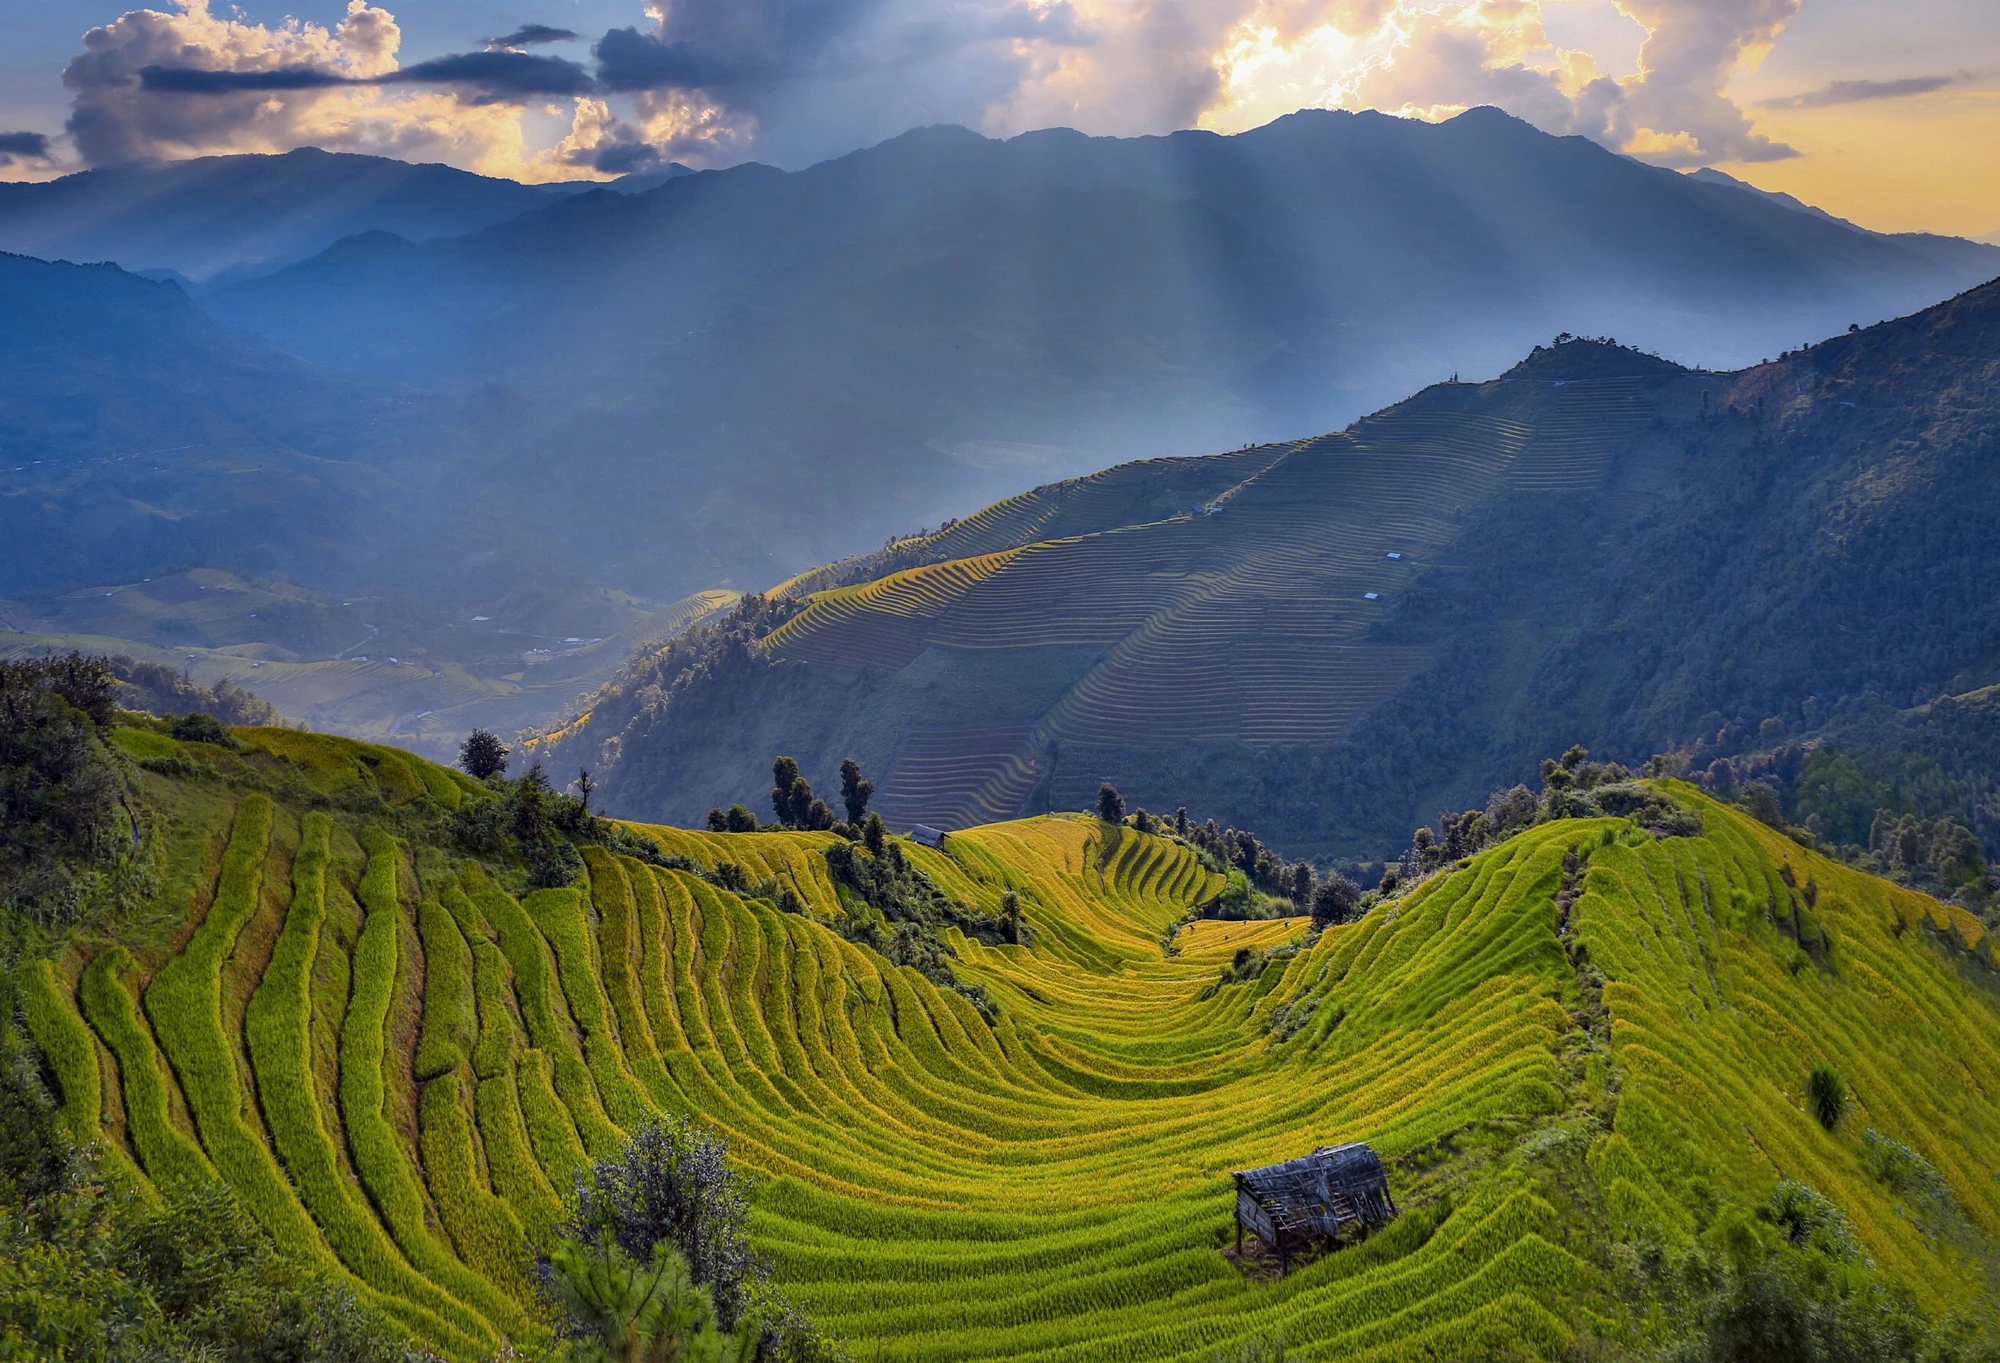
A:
(400, 1073)
(957, 775)
(1240, 602)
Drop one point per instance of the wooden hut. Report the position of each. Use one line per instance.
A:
(1336, 1191)
(924, 835)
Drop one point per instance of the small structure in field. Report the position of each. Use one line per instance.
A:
(1337, 1191)
(927, 836)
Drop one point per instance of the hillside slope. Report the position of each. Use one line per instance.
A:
(1328, 640)
(1585, 1038)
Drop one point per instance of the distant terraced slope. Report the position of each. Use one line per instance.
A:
(1254, 611)
(399, 1064)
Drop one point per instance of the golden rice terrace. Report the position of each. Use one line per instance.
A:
(400, 1063)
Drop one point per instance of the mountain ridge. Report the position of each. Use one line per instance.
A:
(1422, 603)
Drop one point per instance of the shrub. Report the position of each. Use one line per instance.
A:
(1826, 1094)
(1809, 1220)
(200, 727)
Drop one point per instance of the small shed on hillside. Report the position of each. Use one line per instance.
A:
(1336, 1191)
(926, 835)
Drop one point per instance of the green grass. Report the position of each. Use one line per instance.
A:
(1055, 1185)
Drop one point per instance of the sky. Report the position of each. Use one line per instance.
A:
(1887, 114)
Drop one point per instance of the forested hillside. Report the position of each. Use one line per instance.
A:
(1330, 640)
(1634, 1090)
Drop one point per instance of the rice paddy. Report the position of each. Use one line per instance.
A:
(399, 1065)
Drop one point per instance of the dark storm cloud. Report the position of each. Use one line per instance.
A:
(497, 74)
(527, 35)
(25, 146)
(190, 80)
(630, 60)
(1862, 91)
(490, 75)
(706, 44)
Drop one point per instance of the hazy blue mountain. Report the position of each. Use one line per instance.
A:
(218, 215)
(136, 432)
(747, 371)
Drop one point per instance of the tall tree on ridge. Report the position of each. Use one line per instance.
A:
(854, 791)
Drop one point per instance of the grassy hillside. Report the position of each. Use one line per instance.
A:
(1583, 1054)
(1331, 639)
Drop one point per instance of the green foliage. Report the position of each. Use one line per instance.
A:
(61, 842)
(1792, 1307)
(200, 727)
(619, 1310)
(898, 910)
(672, 1201)
(1110, 804)
(483, 755)
(1902, 1170)
(854, 791)
(1826, 1092)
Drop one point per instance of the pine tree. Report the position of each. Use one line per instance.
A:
(854, 791)
(875, 834)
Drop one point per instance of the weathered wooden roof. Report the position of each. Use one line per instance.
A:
(928, 836)
(1322, 1192)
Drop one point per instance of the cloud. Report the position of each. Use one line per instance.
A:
(1861, 91)
(24, 146)
(527, 35)
(490, 75)
(793, 81)
(161, 84)
(802, 79)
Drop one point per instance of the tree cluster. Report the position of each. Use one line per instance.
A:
(61, 833)
(901, 912)
(160, 690)
(532, 819)
(1573, 787)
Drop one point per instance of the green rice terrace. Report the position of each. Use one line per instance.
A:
(1579, 1053)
